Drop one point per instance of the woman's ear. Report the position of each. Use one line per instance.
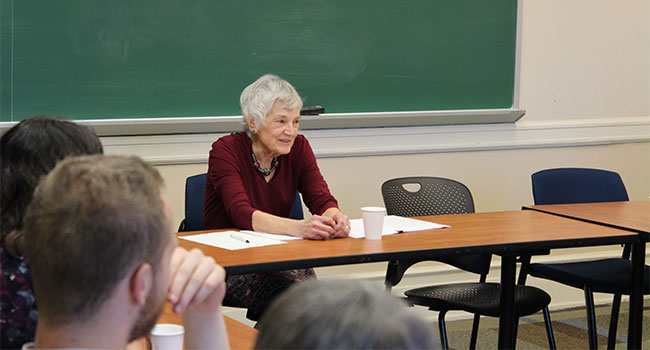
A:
(141, 283)
(250, 121)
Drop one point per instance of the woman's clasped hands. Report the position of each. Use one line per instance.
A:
(334, 225)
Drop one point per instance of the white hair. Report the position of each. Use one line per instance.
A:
(342, 314)
(258, 98)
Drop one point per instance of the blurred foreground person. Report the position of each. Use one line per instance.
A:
(28, 151)
(342, 314)
(100, 240)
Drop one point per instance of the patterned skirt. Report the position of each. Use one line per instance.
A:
(256, 291)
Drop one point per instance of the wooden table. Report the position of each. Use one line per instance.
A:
(507, 234)
(240, 336)
(630, 215)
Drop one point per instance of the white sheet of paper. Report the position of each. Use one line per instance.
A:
(394, 224)
(273, 236)
(400, 223)
(226, 240)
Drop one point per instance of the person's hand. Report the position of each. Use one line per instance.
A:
(342, 228)
(316, 227)
(197, 282)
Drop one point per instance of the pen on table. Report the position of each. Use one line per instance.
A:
(241, 239)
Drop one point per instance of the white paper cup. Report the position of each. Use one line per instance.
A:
(165, 336)
(373, 221)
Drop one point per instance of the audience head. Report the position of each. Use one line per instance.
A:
(258, 99)
(97, 223)
(28, 151)
(342, 314)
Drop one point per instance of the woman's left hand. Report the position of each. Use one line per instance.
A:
(342, 228)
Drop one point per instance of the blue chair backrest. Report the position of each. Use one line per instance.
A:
(577, 185)
(195, 199)
(296, 211)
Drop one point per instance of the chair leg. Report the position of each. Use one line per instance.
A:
(443, 330)
(591, 319)
(515, 328)
(477, 319)
(613, 321)
(391, 271)
(549, 329)
(472, 339)
(523, 271)
(616, 306)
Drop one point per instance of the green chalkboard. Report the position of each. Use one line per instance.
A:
(106, 59)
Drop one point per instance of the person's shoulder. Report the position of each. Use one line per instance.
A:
(229, 142)
(12, 264)
(301, 138)
(300, 142)
(233, 138)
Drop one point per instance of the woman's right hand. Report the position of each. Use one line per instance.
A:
(316, 227)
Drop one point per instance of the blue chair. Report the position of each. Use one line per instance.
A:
(195, 199)
(579, 185)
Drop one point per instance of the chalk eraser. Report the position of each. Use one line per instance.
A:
(312, 110)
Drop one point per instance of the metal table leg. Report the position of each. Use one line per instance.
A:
(507, 316)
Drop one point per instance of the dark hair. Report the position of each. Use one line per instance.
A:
(92, 220)
(28, 151)
(342, 314)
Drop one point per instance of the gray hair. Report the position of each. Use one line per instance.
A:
(258, 98)
(342, 314)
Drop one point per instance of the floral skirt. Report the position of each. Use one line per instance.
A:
(256, 291)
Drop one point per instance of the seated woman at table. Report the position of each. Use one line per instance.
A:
(29, 150)
(252, 180)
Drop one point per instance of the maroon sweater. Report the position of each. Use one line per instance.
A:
(235, 189)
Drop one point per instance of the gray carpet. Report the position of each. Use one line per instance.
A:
(569, 328)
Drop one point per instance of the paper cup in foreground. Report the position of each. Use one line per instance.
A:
(166, 336)
(373, 221)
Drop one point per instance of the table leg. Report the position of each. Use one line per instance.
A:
(507, 303)
(635, 323)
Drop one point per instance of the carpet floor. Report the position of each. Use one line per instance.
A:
(569, 328)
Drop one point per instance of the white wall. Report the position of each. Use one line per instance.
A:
(584, 59)
(585, 84)
(499, 180)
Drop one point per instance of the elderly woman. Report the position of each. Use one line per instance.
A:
(252, 181)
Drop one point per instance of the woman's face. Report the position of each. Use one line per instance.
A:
(280, 129)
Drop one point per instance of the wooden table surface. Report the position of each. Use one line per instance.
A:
(495, 232)
(629, 215)
(503, 233)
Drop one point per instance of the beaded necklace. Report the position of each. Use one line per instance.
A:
(268, 171)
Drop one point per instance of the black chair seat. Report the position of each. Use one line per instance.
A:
(602, 276)
(480, 298)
